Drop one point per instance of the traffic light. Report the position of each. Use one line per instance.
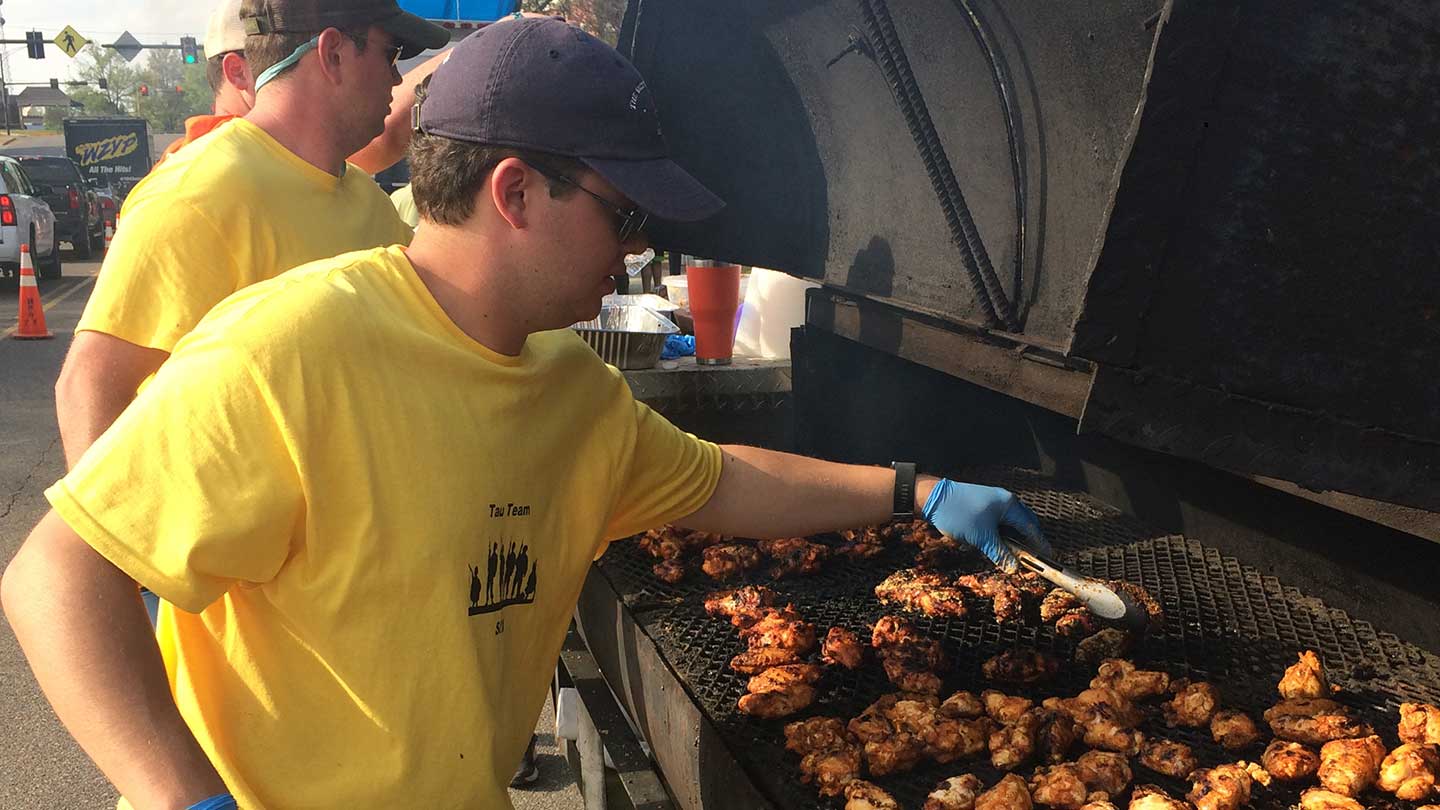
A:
(104, 83)
(187, 50)
(35, 44)
(144, 89)
(179, 89)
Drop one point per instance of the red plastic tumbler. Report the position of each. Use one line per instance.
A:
(714, 300)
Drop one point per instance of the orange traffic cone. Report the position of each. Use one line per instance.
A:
(32, 315)
(109, 234)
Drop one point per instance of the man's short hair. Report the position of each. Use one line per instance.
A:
(446, 174)
(215, 72)
(263, 50)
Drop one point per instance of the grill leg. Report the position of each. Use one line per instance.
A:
(592, 761)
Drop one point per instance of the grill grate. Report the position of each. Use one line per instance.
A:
(1224, 623)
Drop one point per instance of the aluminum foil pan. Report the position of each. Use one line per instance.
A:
(627, 336)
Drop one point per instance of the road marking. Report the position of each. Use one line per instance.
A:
(57, 299)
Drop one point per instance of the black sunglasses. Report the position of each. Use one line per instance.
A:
(392, 52)
(631, 222)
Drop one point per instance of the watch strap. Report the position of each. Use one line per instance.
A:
(903, 507)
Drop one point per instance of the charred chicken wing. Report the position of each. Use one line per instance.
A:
(1289, 761)
(794, 556)
(1057, 603)
(1151, 797)
(1055, 736)
(922, 591)
(781, 628)
(670, 570)
(843, 648)
(784, 676)
(1233, 729)
(1409, 771)
(755, 661)
(911, 665)
(1224, 787)
(890, 630)
(1314, 721)
(951, 739)
(1058, 786)
(730, 560)
(964, 704)
(1193, 705)
(1305, 678)
(1419, 723)
(1077, 624)
(1174, 759)
(862, 795)
(1011, 746)
(1104, 771)
(1020, 666)
(955, 793)
(1004, 708)
(816, 734)
(1010, 793)
(779, 702)
(1317, 799)
(830, 771)
(1134, 684)
(1348, 767)
(1108, 643)
(743, 606)
(898, 752)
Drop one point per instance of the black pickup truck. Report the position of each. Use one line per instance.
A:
(77, 209)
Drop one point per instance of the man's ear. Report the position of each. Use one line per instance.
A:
(510, 190)
(331, 50)
(237, 73)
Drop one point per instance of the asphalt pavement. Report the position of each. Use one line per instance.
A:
(41, 767)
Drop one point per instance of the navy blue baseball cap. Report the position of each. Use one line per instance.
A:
(545, 85)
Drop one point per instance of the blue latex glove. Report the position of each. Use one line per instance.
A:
(221, 801)
(677, 346)
(973, 513)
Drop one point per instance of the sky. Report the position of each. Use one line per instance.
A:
(101, 21)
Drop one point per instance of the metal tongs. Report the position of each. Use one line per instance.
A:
(1113, 606)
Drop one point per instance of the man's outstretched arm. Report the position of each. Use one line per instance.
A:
(81, 624)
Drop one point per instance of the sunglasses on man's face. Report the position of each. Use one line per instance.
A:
(630, 222)
(391, 52)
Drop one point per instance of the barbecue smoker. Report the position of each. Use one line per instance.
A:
(1166, 269)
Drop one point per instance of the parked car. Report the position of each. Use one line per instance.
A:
(77, 209)
(25, 218)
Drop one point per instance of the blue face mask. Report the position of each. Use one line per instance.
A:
(279, 67)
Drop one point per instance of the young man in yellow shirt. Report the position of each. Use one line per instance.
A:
(260, 195)
(320, 475)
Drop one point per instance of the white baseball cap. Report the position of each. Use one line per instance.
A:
(225, 32)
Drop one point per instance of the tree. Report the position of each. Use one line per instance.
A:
(601, 18)
(165, 109)
(93, 64)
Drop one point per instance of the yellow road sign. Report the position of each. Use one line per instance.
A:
(70, 41)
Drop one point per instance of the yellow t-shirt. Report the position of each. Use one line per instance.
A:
(381, 526)
(236, 209)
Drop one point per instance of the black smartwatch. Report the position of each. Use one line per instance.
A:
(903, 509)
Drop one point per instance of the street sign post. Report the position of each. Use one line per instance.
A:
(70, 41)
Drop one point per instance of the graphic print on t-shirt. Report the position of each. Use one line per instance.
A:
(508, 578)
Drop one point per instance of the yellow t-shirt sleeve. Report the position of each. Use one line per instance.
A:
(194, 488)
(672, 473)
(162, 274)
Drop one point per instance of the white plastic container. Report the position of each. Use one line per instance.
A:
(774, 303)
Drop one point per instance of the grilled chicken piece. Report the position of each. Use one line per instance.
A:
(1005, 596)
(666, 542)
(842, 647)
(1010, 793)
(1142, 597)
(1104, 771)
(1152, 797)
(1079, 623)
(911, 665)
(741, 605)
(951, 739)
(755, 661)
(1100, 804)
(1317, 799)
(1108, 643)
(1419, 723)
(1314, 721)
(1258, 775)
(1409, 771)
(955, 793)
(816, 734)
(729, 560)
(860, 551)
(1107, 718)
(830, 771)
(779, 702)
(1348, 767)
(862, 795)
(922, 591)
(1305, 678)
(794, 556)
(1058, 786)
(1004, 708)
(862, 544)
(1193, 705)
(670, 570)
(1233, 729)
(871, 725)
(1174, 759)
(1011, 746)
(899, 752)
(782, 677)
(1135, 684)
(1020, 666)
(921, 533)
(1224, 787)
(964, 704)
(1057, 603)
(890, 630)
(1289, 761)
(782, 628)
(1055, 737)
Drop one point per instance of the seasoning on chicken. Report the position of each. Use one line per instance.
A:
(1153, 797)
(1305, 678)
(1010, 793)
(1104, 771)
(955, 793)
(781, 691)
(1004, 708)
(1193, 705)
(1317, 799)
(783, 676)
(889, 630)
(1143, 598)
(755, 661)
(912, 664)
(670, 542)
(900, 751)
(794, 556)
(1020, 666)
(730, 559)
(1348, 767)
(1419, 723)
(1077, 624)
(842, 647)
(1055, 736)
(862, 795)
(950, 738)
(1005, 595)
(922, 591)
(1135, 684)
(964, 704)
(829, 755)
(1107, 718)
(1409, 771)
(816, 734)
(1224, 787)
(780, 627)
(1233, 729)
(743, 606)
(1174, 759)
(1013, 745)
(1057, 603)
(1314, 721)
(1108, 643)
(1289, 761)
(1058, 786)
(1100, 804)
(862, 544)
(670, 570)
(872, 724)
